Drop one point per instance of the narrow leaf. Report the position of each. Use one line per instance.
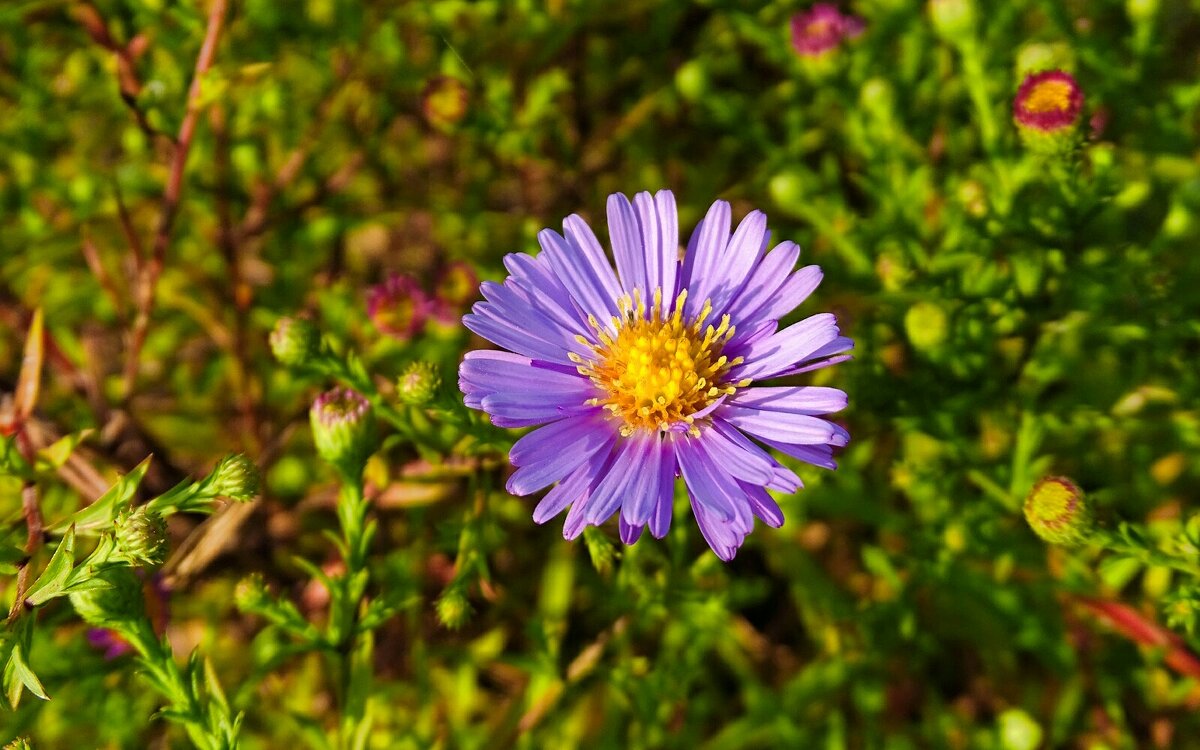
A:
(50, 583)
(100, 514)
(30, 378)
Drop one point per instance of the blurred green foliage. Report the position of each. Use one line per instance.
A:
(1016, 315)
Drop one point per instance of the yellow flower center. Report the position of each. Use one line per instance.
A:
(658, 371)
(1049, 96)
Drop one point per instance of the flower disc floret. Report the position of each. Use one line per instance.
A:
(1058, 512)
(659, 371)
(1049, 101)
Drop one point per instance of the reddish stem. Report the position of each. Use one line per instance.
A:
(152, 269)
(1133, 625)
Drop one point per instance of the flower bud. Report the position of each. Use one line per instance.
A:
(398, 307)
(953, 20)
(141, 536)
(343, 426)
(418, 384)
(1047, 110)
(453, 609)
(20, 743)
(691, 80)
(120, 602)
(1019, 730)
(1035, 57)
(1057, 512)
(295, 341)
(251, 593)
(927, 326)
(235, 477)
(822, 29)
(1141, 11)
(444, 101)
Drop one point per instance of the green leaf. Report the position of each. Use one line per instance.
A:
(12, 463)
(99, 515)
(18, 676)
(52, 581)
(213, 686)
(53, 457)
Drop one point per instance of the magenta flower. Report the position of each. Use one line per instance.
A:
(1050, 102)
(645, 375)
(398, 306)
(821, 29)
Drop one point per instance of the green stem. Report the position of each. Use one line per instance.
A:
(1151, 556)
(353, 648)
(187, 707)
(976, 79)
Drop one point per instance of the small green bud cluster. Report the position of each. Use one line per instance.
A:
(235, 477)
(251, 593)
(418, 384)
(295, 342)
(140, 536)
(453, 609)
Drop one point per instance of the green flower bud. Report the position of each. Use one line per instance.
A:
(1141, 11)
(1018, 731)
(692, 80)
(927, 326)
(20, 743)
(251, 593)
(120, 602)
(295, 342)
(453, 609)
(235, 477)
(953, 20)
(418, 384)
(1057, 512)
(343, 426)
(1035, 57)
(141, 536)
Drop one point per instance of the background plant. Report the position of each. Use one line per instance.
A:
(176, 177)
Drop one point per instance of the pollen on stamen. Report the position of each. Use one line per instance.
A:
(657, 370)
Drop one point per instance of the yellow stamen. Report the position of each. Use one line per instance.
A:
(1049, 96)
(658, 370)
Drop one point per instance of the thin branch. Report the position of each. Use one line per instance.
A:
(152, 268)
(92, 256)
(33, 539)
(128, 82)
(131, 235)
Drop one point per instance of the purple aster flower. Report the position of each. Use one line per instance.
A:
(644, 375)
(821, 29)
